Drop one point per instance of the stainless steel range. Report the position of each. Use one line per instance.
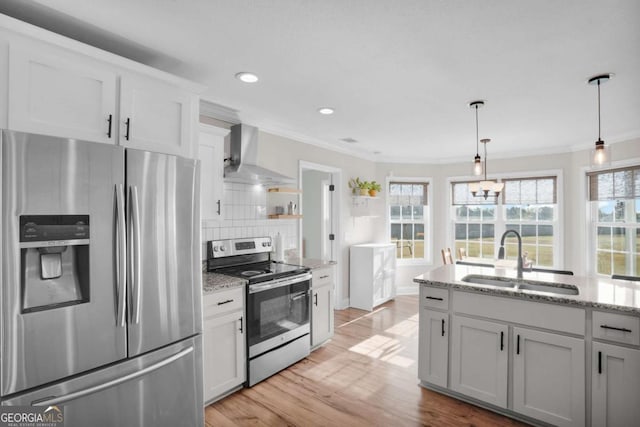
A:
(278, 303)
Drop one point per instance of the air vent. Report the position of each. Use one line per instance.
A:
(349, 140)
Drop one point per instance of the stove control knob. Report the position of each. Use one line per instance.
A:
(264, 244)
(222, 248)
(215, 249)
(268, 243)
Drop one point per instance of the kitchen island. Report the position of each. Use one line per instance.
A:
(569, 356)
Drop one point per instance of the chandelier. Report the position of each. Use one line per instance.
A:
(484, 188)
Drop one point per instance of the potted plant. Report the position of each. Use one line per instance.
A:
(374, 188)
(364, 187)
(354, 185)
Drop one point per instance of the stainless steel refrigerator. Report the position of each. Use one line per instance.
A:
(101, 298)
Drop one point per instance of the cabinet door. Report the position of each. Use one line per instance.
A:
(156, 116)
(321, 315)
(615, 388)
(479, 360)
(548, 377)
(211, 155)
(61, 94)
(224, 354)
(433, 349)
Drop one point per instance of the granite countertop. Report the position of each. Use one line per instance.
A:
(597, 292)
(311, 263)
(212, 282)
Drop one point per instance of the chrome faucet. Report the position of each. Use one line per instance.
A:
(501, 251)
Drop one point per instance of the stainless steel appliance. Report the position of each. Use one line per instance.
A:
(278, 303)
(101, 301)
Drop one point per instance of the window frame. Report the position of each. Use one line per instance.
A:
(592, 220)
(500, 222)
(428, 218)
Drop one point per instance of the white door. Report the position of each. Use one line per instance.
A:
(433, 347)
(61, 94)
(615, 386)
(548, 377)
(156, 116)
(321, 315)
(479, 359)
(211, 155)
(223, 354)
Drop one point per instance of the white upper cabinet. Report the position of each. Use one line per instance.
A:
(55, 86)
(211, 155)
(61, 93)
(155, 116)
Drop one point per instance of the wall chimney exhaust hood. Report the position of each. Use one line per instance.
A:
(243, 166)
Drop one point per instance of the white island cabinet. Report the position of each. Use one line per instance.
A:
(565, 357)
(372, 270)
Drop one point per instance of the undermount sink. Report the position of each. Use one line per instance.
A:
(518, 285)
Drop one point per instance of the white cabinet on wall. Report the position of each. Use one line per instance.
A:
(61, 93)
(224, 343)
(549, 377)
(63, 88)
(372, 274)
(155, 116)
(479, 359)
(211, 155)
(322, 283)
(615, 386)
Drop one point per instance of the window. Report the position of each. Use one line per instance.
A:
(527, 205)
(408, 218)
(614, 196)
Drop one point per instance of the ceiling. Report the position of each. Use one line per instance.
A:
(399, 74)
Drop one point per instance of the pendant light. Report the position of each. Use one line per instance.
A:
(485, 187)
(477, 161)
(600, 155)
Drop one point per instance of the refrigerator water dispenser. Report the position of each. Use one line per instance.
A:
(54, 261)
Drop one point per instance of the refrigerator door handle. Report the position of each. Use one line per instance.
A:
(121, 259)
(135, 254)
(56, 400)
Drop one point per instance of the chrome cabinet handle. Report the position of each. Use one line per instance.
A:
(121, 259)
(55, 400)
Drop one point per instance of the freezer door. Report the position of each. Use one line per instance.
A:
(59, 298)
(164, 274)
(160, 389)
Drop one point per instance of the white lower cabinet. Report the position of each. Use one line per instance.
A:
(615, 386)
(479, 359)
(322, 283)
(224, 354)
(549, 377)
(433, 347)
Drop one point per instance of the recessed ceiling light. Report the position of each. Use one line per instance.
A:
(247, 77)
(349, 140)
(326, 110)
(377, 152)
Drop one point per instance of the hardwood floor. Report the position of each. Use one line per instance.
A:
(366, 375)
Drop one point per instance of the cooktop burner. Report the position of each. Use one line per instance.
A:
(263, 271)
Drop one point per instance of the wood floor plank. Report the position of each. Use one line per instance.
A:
(366, 375)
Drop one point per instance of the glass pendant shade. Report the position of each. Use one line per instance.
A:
(477, 166)
(600, 155)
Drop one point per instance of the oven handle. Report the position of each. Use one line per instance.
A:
(279, 283)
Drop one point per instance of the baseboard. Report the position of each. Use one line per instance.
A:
(343, 304)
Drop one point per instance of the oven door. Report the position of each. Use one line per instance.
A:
(278, 312)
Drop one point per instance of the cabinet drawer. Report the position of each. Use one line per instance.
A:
(548, 316)
(321, 277)
(223, 301)
(435, 298)
(616, 327)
